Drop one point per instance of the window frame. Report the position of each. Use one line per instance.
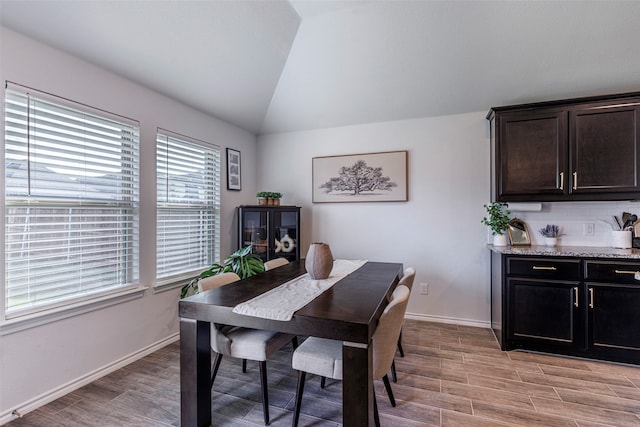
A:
(17, 319)
(162, 282)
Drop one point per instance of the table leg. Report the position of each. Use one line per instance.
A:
(195, 371)
(357, 384)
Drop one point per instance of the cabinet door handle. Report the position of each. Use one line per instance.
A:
(626, 272)
(561, 181)
(544, 267)
(590, 297)
(575, 297)
(575, 180)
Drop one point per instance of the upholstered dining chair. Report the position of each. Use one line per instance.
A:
(244, 343)
(407, 279)
(323, 357)
(217, 281)
(274, 263)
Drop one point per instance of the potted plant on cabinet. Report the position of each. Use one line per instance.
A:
(262, 197)
(498, 221)
(274, 199)
(242, 262)
(270, 198)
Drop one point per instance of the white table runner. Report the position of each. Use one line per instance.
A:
(280, 303)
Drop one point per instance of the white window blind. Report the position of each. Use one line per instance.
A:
(188, 212)
(71, 213)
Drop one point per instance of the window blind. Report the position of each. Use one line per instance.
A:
(71, 212)
(188, 205)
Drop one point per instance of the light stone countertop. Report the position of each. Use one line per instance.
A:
(567, 251)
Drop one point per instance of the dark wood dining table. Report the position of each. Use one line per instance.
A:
(348, 311)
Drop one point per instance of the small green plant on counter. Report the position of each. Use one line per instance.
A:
(242, 262)
(498, 218)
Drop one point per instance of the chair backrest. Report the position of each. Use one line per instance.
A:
(385, 337)
(408, 276)
(217, 281)
(277, 262)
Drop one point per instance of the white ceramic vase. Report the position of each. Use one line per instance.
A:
(550, 241)
(500, 240)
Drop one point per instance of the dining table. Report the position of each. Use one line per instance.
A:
(348, 311)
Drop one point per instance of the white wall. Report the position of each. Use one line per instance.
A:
(438, 231)
(42, 362)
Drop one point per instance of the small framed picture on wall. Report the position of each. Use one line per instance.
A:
(233, 170)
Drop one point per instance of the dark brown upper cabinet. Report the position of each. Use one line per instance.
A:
(581, 149)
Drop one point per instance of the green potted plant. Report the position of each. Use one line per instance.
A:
(498, 221)
(242, 262)
(275, 198)
(262, 197)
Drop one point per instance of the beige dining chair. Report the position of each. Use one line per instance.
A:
(217, 281)
(407, 280)
(244, 343)
(274, 263)
(323, 357)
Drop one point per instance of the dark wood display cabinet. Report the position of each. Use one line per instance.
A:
(578, 149)
(271, 231)
(566, 305)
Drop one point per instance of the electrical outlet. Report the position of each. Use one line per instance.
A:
(588, 229)
(424, 288)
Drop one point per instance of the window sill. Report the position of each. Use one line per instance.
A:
(38, 319)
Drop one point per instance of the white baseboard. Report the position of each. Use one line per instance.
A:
(58, 392)
(448, 320)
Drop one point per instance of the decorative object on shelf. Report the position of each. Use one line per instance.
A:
(372, 177)
(269, 198)
(286, 244)
(233, 170)
(242, 262)
(262, 198)
(621, 239)
(550, 233)
(274, 199)
(319, 261)
(498, 221)
(518, 232)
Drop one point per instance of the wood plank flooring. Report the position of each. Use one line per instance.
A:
(450, 376)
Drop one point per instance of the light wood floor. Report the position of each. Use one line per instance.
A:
(450, 376)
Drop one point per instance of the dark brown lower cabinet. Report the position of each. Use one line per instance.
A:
(543, 314)
(571, 306)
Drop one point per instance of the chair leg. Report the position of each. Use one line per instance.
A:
(299, 391)
(244, 366)
(323, 382)
(216, 365)
(400, 344)
(294, 342)
(376, 416)
(387, 386)
(265, 395)
(394, 374)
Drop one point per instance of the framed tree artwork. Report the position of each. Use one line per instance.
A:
(371, 177)
(233, 170)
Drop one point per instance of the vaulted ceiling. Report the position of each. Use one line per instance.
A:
(278, 66)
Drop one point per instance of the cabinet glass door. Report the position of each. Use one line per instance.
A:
(285, 234)
(255, 231)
